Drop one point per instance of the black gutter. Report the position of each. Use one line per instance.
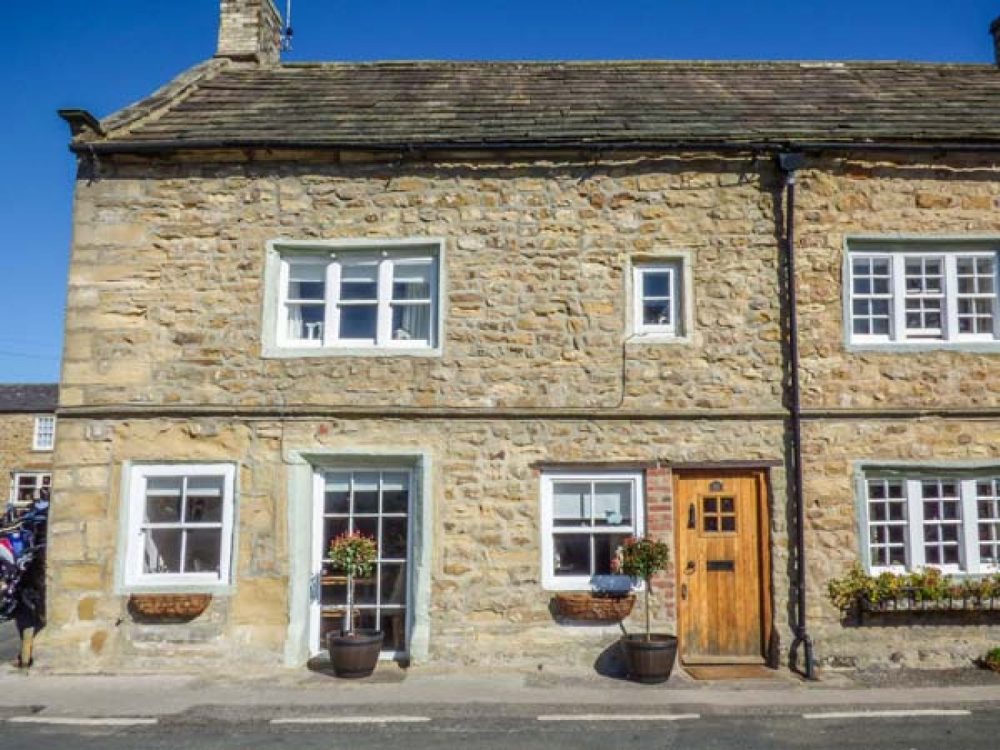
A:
(168, 146)
(788, 164)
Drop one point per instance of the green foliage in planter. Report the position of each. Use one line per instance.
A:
(992, 659)
(642, 558)
(927, 585)
(355, 554)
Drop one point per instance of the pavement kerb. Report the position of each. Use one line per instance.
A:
(173, 695)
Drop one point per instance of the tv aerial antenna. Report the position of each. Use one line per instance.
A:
(287, 33)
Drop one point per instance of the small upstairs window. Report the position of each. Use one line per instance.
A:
(45, 433)
(923, 292)
(656, 294)
(358, 298)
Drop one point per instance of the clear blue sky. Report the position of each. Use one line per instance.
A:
(103, 54)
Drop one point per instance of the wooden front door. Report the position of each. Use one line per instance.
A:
(722, 566)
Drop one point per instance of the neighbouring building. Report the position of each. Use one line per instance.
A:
(501, 316)
(27, 436)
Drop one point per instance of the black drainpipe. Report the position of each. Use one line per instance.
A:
(788, 163)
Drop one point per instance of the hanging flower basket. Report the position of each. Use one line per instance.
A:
(169, 607)
(594, 607)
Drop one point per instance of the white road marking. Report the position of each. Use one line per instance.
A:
(889, 714)
(82, 722)
(618, 717)
(353, 720)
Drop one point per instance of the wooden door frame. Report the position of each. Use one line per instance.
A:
(761, 472)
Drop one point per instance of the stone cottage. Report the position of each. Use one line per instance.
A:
(500, 316)
(27, 436)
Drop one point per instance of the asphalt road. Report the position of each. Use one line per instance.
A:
(510, 728)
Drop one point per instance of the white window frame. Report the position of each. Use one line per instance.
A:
(970, 562)
(40, 432)
(898, 252)
(320, 545)
(38, 476)
(552, 582)
(137, 476)
(334, 255)
(675, 268)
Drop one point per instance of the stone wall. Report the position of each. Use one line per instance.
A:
(166, 284)
(487, 605)
(16, 453)
(831, 449)
(165, 309)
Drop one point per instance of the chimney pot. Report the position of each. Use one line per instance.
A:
(250, 31)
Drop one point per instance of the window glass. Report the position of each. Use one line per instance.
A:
(906, 295)
(182, 517)
(921, 520)
(384, 302)
(656, 292)
(588, 518)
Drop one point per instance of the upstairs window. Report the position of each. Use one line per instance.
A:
(45, 433)
(924, 293)
(920, 518)
(656, 292)
(359, 299)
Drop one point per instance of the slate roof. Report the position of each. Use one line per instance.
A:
(392, 104)
(28, 397)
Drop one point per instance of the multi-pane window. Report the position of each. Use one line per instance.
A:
(180, 524)
(375, 503)
(948, 522)
(359, 299)
(656, 299)
(27, 486)
(946, 294)
(45, 433)
(988, 509)
(872, 304)
(585, 519)
(887, 522)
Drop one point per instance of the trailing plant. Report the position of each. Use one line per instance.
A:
(642, 559)
(926, 585)
(355, 554)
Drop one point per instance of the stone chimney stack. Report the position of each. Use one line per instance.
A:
(995, 33)
(250, 31)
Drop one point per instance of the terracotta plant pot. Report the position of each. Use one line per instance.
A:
(354, 655)
(649, 661)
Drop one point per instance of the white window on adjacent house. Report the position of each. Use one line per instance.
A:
(656, 296)
(918, 519)
(27, 486)
(358, 298)
(45, 432)
(928, 292)
(180, 525)
(585, 519)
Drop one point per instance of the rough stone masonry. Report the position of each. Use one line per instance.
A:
(166, 292)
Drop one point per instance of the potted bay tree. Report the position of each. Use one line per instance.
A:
(649, 656)
(353, 652)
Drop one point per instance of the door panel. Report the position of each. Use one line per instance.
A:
(722, 566)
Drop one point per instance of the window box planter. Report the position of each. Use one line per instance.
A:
(594, 607)
(168, 607)
(909, 601)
